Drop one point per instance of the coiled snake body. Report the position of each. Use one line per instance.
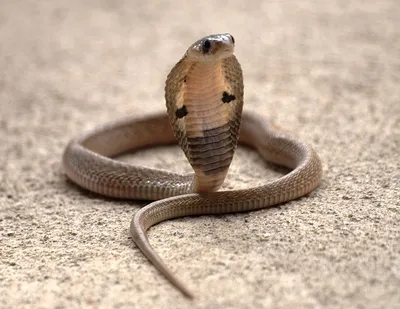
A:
(204, 96)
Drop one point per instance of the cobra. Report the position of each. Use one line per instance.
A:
(204, 98)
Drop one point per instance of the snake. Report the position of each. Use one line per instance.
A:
(204, 98)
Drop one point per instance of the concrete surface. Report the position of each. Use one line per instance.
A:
(327, 70)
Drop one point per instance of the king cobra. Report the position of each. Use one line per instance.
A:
(204, 98)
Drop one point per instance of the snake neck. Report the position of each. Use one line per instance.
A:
(204, 115)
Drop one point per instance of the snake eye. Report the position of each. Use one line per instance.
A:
(206, 46)
(233, 39)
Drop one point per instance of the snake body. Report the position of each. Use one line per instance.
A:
(204, 96)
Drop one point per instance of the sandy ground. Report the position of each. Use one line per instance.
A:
(327, 70)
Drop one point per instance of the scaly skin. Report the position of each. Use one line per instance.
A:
(208, 82)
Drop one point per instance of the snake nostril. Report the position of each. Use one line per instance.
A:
(233, 39)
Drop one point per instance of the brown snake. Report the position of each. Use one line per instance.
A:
(204, 96)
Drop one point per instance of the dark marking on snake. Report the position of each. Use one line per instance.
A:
(227, 98)
(214, 167)
(181, 112)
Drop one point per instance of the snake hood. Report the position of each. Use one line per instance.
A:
(204, 98)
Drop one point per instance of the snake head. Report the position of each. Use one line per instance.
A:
(212, 48)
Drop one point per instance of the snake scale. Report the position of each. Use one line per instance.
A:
(204, 98)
